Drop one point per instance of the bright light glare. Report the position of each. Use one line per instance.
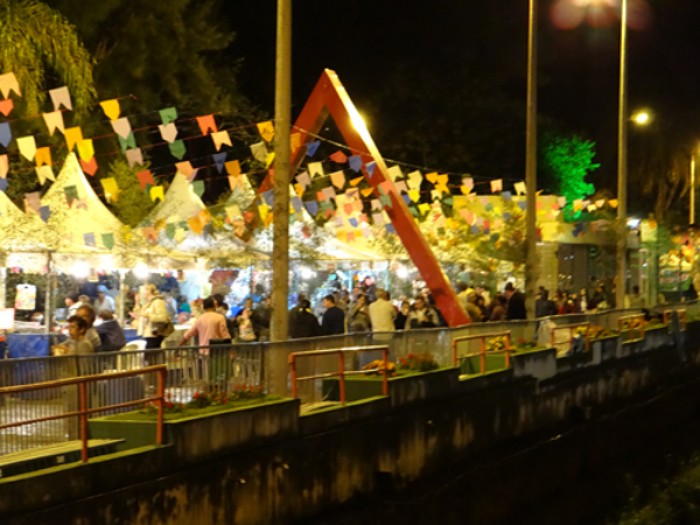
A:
(307, 273)
(141, 270)
(80, 269)
(402, 272)
(641, 118)
(633, 223)
(358, 121)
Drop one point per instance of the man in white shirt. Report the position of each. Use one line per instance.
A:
(382, 313)
(104, 301)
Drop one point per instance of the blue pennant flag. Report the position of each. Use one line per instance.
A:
(5, 133)
(312, 207)
(370, 166)
(44, 213)
(311, 148)
(3, 184)
(219, 159)
(355, 163)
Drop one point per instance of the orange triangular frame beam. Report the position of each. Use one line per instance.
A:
(330, 98)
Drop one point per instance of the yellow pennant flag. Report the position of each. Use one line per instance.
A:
(73, 136)
(294, 142)
(424, 208)
(233, 168)
(195, 225)
(44, 173)
(111, 108)
(356, 181)
(43, 157)
(270, 159)
(85, 149)
(266, 130)
(109, 184)
(414, 195)
(27, 147)
(156, 193)
(366, 192)
(263, 210)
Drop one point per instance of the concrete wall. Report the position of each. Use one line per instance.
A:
(336, 455)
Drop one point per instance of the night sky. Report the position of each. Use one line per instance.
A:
(578, 68)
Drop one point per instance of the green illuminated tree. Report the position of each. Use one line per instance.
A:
(133, 204)
(565, 162)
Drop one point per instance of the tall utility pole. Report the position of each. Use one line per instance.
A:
(279, 328)
(621, 267)
(531, 162)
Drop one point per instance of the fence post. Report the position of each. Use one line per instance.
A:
(161, 402)
(385, 382)
(83, 420)
(341, 368)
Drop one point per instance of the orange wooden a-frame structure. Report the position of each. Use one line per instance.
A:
(329, 98)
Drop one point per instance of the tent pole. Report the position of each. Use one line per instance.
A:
(48, 311)
(122, 297)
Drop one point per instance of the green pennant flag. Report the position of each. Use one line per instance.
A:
(71, 194)
(414, 211)
(167, 115)
(386, 200)
(127, 143)
(183, 225)
(170, 230)
(198, 187)
(177, 149)
(108, 240)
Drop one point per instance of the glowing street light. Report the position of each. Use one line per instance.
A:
(641, 118)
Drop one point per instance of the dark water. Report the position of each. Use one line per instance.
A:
(587, 473)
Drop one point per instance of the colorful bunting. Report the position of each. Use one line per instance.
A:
(108, 240)
(54, 120)
(89, 166)
(316, 169)
(220, 138)
(86, 150)
(339, 157)
(73, 136)
(4, 166)
(111, 108)
(44, 173)
(177, 149)
(259, 151)
(145, 178)
(206, 124)
(168, 115)
(8, 84)
(71, 194)
(61, 97)
(496, 185)
(266, 130)
(156, 193)
(111, 189)
(43, 156)
(5, 134)
(312, 147)
(6, 106)
(134, 156)
(27, 147)
(233, 168)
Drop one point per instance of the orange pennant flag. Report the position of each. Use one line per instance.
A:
(207, 124)
(43, 157)
(73, 136)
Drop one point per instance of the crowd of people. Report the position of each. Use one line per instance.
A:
(91, 324)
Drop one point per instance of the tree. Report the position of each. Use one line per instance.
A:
(42, 48)
(132, 205)
(164, 52)
(566, 161)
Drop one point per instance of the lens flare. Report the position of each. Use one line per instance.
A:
(569, 14)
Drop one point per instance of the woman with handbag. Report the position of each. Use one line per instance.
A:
(154, 321)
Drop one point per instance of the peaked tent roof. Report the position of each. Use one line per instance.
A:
(69, 226)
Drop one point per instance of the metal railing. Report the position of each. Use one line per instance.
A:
(340, 371)
(78, 406)
(682, 317)
(632, 325)
(482, 338)
(572, 334)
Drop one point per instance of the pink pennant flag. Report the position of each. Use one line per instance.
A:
(54, 120)
(185, 167)
(338, 179)
(61, 97)
(134, 156)
(168, 132)
(121, 127)
(496, 185)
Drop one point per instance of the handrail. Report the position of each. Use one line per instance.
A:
(682, 316)
(632, 322)
(482, 348)
(83, 411)
(292, 359)
(571, 327)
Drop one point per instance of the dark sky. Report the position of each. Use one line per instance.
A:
(578, 68)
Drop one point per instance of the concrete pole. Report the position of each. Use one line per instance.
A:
(622, 165)
(531, 265)
(279, 329)
(691, 218)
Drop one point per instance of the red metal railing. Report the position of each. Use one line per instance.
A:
(83, 411)
(340, 372)
(572, 328)
(482, 348)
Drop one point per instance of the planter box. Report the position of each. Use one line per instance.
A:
(657, 338)
(196, 438)
(472, 365)
(605, 348)
(402, 389)
(541, 363)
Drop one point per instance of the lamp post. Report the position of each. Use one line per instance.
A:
(531, 161)
(691, 216)
(621, 266)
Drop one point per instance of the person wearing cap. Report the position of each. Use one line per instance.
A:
(104, 301)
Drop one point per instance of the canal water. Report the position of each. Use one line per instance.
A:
(587, 473)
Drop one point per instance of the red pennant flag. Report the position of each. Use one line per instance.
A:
(339, 157)
(206, 124)
(145, 179)
(6, 106)
(90, 166)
